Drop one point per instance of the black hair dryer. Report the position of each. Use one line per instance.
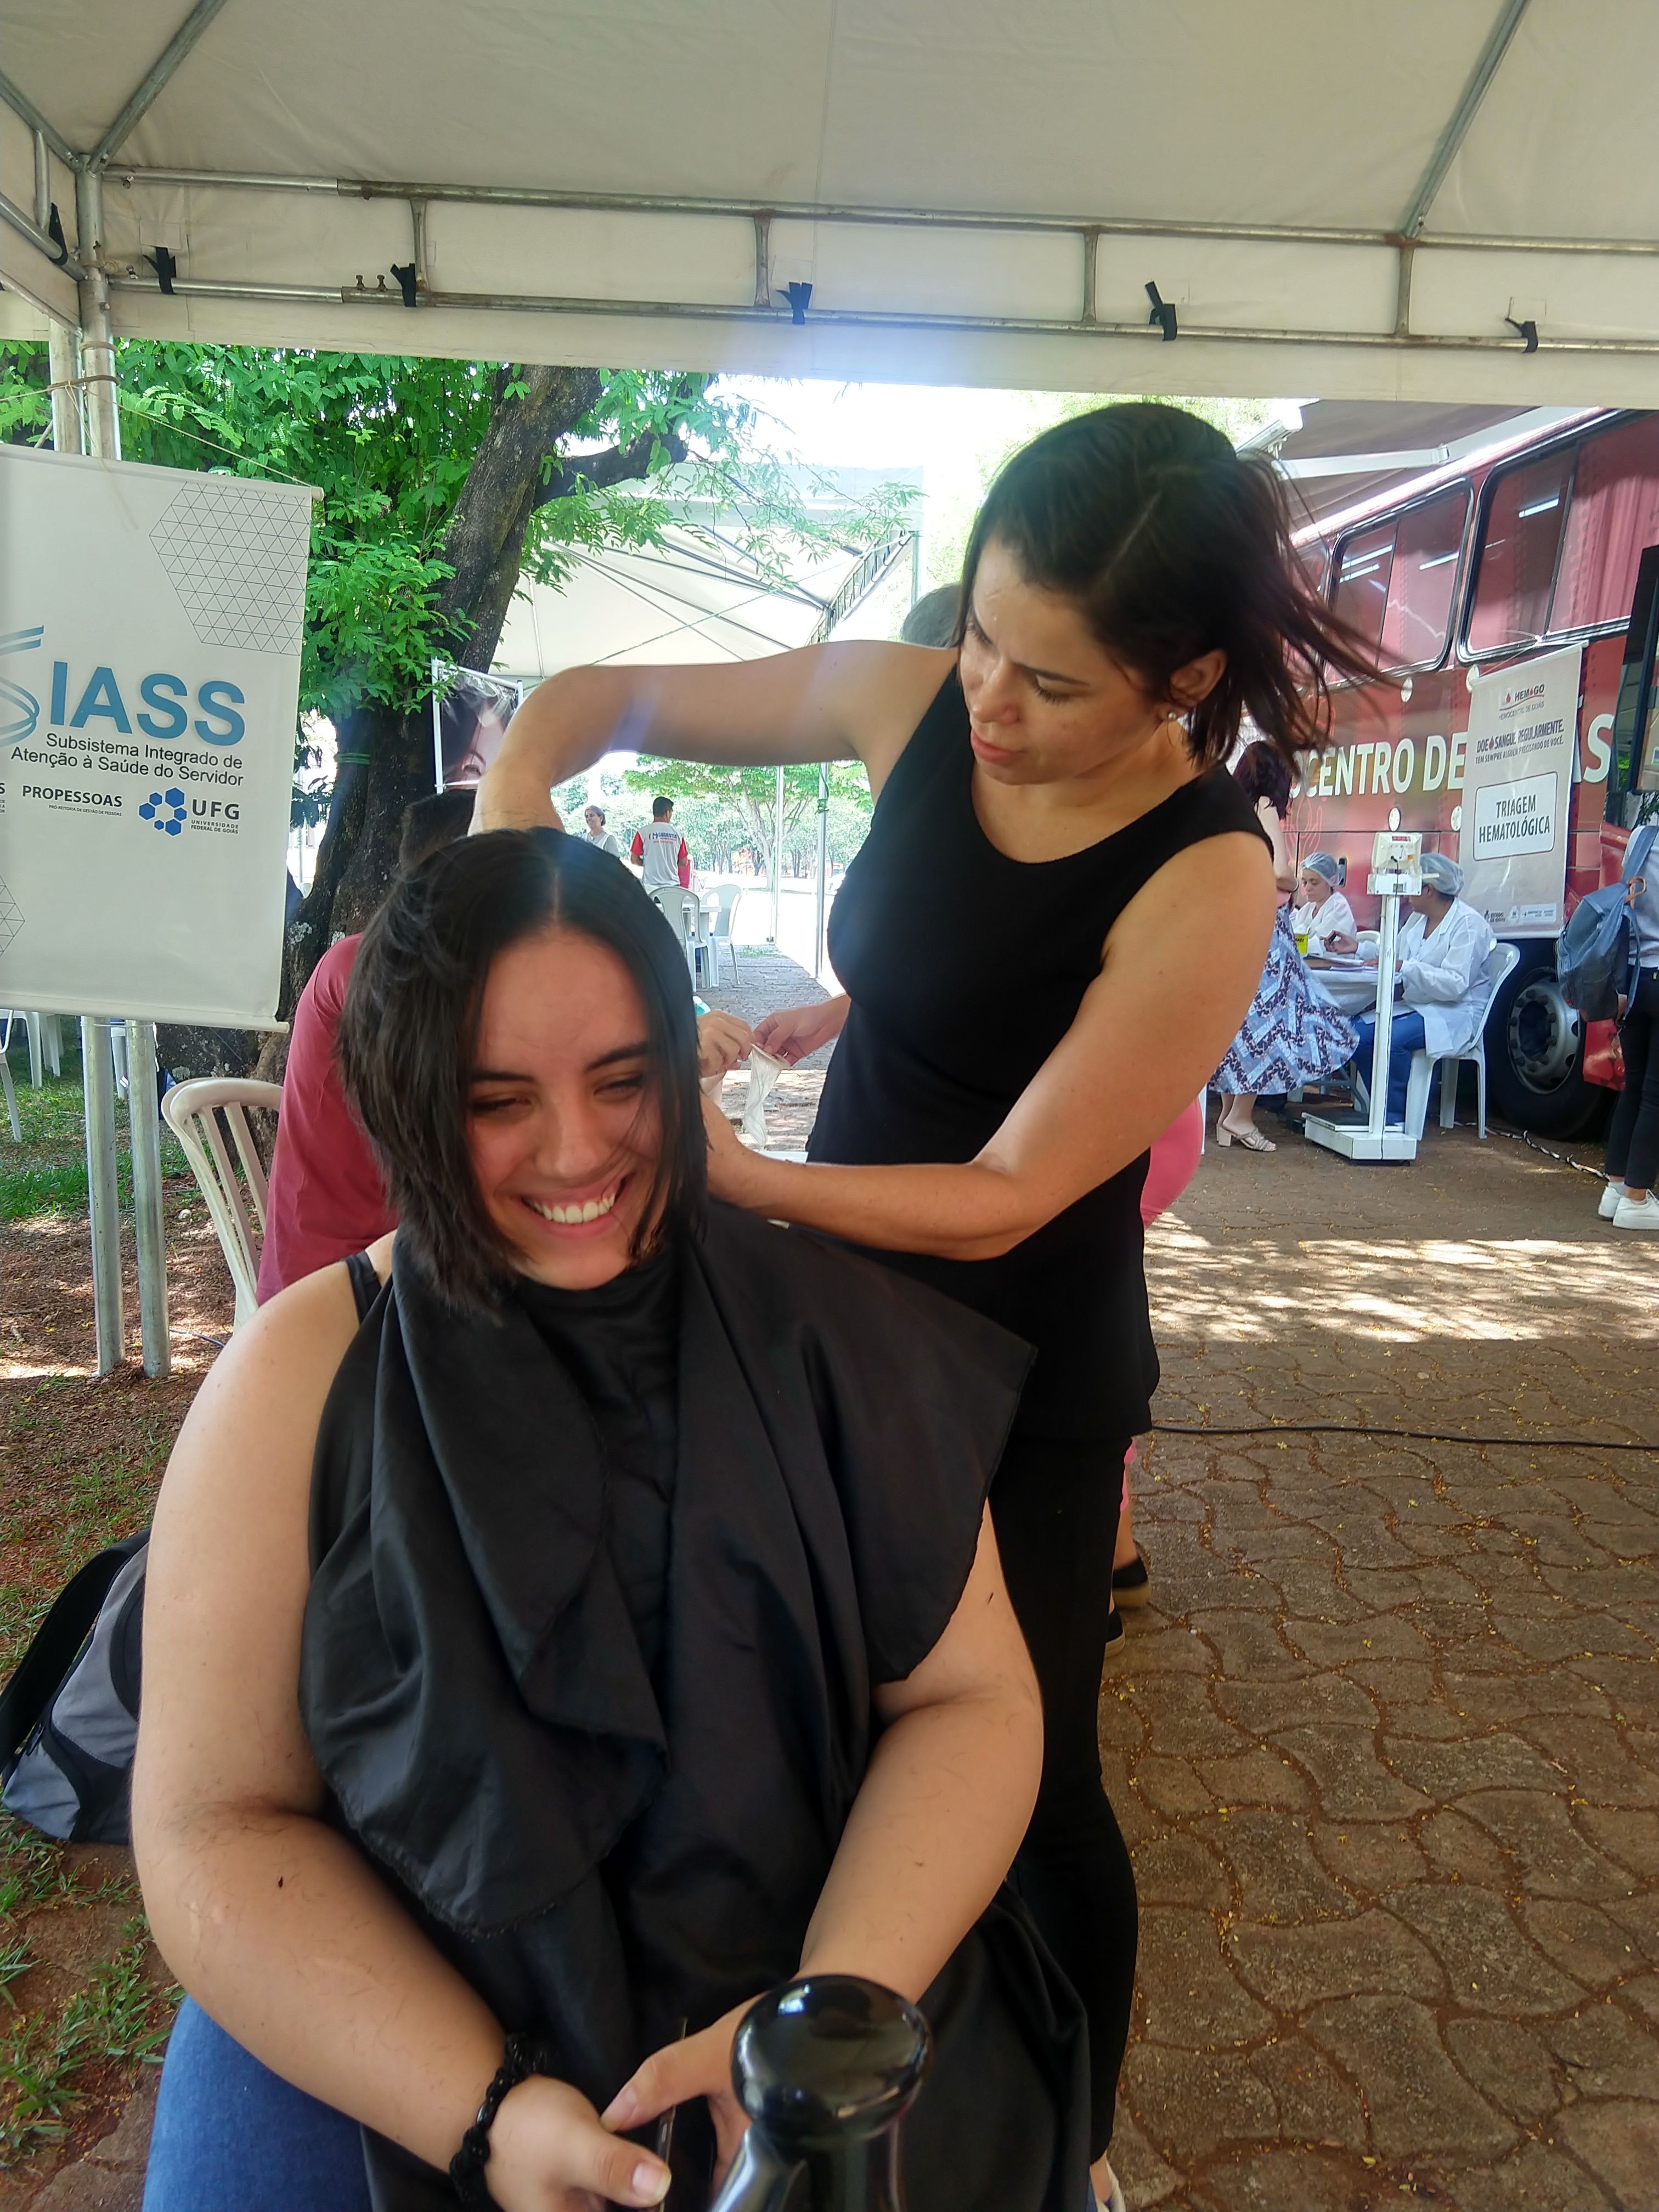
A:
(826, 2068)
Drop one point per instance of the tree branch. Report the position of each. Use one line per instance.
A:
(616, 464)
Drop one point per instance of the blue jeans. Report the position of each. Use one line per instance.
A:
(1405, 1038)
(232, 2136)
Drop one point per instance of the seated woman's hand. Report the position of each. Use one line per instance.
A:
(1336, 942)
(792, 1034)
(722, 1041)
(550, 2152)
(698, 2066)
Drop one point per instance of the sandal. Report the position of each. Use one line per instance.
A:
(1251, 1138)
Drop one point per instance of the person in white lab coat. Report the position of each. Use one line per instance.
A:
(1440, 985)
(1322, 912)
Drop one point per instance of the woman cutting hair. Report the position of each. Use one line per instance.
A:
(1049, 938)
(572, 1620)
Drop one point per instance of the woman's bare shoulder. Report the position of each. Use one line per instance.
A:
(260, 1404)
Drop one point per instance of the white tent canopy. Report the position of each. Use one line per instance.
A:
(1449, 200)
(706, 593)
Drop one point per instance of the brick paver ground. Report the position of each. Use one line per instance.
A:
(1385, 1743)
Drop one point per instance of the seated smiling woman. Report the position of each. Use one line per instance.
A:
(572, 1620)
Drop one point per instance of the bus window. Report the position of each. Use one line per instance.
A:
(1362, 563)
(1418, 616)
(1517, 554)
(1312, 558)
(1612, 514)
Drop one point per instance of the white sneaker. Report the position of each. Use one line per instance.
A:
(1611, 1198)
(1637, 1213)
(1114, 2202)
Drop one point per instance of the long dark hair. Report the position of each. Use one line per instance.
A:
(409, 1034)
(1173, 545)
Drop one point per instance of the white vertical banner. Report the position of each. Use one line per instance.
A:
(150, 627)
(1517, 790)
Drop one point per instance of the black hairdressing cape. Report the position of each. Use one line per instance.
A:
(603, 1855)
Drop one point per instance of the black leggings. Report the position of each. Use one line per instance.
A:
(1633, 1139)
(1055, 1511)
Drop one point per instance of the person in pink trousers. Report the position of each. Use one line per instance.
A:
(1174, 1162)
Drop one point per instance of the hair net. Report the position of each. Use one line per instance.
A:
(1322, 863)
(1442, 874)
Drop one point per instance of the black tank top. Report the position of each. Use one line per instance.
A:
(965, 969)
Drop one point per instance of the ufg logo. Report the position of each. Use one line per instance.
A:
(20, 710)
(166, 808)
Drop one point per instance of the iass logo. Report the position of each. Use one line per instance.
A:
(163, 711)
(166, 811)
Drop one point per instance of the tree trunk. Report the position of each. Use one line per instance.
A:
(386, 757)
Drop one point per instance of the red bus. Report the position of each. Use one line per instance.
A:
(1525, 543)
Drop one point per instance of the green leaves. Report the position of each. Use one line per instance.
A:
(389, 442)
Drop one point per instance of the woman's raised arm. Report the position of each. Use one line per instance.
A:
(1182, 965)
(853, 701)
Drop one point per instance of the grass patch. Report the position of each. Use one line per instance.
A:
(33, 1870)
(47, 1174)
(15, 1959)
(62, 1499)
(119, 2017)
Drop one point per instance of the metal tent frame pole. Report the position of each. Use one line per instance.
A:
(777, 854)
(822, 902)
(103, 1196)
(98, 383)
(78, 427)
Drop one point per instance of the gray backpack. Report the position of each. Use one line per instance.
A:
(68, 1717)
(1596, 953)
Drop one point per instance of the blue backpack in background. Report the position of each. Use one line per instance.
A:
(1596, 952)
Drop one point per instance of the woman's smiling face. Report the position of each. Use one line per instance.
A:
(563, 1121)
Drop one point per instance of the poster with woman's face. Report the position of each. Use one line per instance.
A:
(470, 715)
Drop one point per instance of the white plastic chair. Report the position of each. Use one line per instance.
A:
(684, 911)
(199, 1114)
(1501, 962)
(717, 931)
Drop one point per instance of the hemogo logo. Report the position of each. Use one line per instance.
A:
(160, 704)
(1525, 697)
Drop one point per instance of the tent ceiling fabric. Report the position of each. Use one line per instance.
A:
(688, 598)
(1254, 163)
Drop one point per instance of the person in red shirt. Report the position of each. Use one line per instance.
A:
(660, 853)
(327, 1197)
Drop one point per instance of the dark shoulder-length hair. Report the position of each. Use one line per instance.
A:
(1174, 545)
(409, 1034)
(1261, 772)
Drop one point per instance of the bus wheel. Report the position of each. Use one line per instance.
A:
(1534, 1054)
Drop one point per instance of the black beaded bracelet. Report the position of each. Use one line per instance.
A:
(524, 2055)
